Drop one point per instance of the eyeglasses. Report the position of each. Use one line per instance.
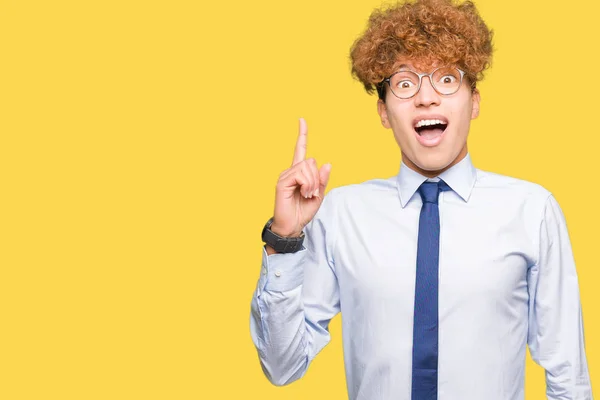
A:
(405, 84)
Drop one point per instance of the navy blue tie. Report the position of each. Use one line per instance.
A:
(425, 330)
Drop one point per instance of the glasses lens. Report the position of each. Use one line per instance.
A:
(447, 80)
(404, 84)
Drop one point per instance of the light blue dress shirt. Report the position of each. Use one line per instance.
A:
(507, 280)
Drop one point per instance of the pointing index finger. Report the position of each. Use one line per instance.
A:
(300, 151)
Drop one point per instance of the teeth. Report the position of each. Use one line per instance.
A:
(427, 122)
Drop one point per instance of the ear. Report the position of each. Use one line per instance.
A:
(476, 100)
(382, 110)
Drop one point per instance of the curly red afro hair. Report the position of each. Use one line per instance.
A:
(425, 32)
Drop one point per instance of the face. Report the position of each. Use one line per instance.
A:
(430, 151)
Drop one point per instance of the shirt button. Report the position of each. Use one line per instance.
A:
(264, 271)
(278, 273)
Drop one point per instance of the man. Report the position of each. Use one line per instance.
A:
(444, 273)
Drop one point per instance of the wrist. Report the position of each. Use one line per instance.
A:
(281, 240)
(285, 232)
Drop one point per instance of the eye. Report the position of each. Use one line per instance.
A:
(405, 84)
(448, 79)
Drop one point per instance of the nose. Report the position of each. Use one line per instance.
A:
(427, 96)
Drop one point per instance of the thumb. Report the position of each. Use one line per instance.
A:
(324, 177)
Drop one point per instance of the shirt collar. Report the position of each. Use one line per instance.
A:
(460, 177)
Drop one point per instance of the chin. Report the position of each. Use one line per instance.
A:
(433, 161)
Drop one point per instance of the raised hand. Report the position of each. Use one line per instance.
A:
(300, 190)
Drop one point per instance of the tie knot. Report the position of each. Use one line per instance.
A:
(429, 191)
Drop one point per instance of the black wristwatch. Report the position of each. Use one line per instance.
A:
(279, 243)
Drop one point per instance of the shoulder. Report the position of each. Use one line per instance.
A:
(511, 187)
(512, 196)
(362, 191)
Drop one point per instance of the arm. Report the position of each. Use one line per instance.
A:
(556, 336)
(296, 297)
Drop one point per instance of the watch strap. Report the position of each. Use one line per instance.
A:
(279, 243)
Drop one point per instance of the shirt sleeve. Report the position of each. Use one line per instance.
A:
(556, 336)
(296, 297)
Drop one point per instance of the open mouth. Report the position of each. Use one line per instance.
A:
(430, 129)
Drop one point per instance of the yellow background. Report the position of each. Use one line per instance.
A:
(140, 144)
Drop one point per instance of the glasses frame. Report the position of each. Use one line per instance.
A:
(421, 76)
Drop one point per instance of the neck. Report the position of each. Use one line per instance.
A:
(434, 173)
